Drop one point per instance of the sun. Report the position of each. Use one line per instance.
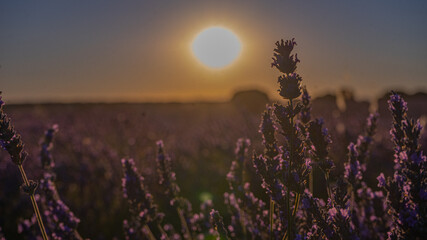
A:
(216, 47)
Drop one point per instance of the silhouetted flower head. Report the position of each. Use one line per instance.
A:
(283, 60)
(290, 85)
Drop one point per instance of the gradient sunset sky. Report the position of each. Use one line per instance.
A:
(77, 51)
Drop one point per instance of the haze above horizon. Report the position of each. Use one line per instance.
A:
(141, 51)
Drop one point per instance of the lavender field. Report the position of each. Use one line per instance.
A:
(200, 139)
(117, 120)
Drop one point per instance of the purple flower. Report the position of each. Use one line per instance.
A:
(353, 172)
(45, 154)
(268, 131)
(164, 169)
(219, 226)
(1, 101)
(283, 60)
(364, 141)
(290, 85)
(10, 140)
(320, 139)
(235, 175)
(141, 205)
(306, 109)
(404, 191)
(381, 180)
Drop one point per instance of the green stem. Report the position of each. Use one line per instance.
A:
(34, 203)
(297, 199)
(150, 234)
(285, 237)
(271, 218)
(291, 143)
(328, 187)
(184, 222)
(310, 181)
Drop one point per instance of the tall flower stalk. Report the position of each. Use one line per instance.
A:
(61, 222)
(172, 190)
(248, 213)
(283, 167)
(290, 89)
(11, 141)
(145, 222)
(407, 189)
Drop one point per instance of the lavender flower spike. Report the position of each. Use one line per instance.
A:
(61, 223)
(353, 172)
(235, 175)
(305, 114)
(283, 60)
(290, 85)
(168, 180)
(164, 169)
(143, 210)
(268, 131)
(219, 225)
(46, 146)
(11, 141)
(320, 140)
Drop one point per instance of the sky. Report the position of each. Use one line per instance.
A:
(136, 51)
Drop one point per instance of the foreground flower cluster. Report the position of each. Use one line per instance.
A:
(291, 205)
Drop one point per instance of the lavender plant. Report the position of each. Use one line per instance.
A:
(249, 216)
(219, 225)
(59, 219)
(407, 189)
(12, 143)
(283, 169)
(172, 190)
(146, 220)
(367, 206)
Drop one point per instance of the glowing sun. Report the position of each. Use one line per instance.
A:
(216, 47)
